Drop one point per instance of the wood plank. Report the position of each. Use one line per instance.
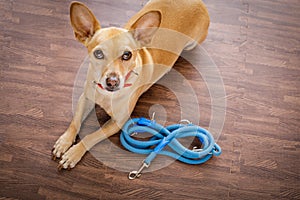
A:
(255, 45)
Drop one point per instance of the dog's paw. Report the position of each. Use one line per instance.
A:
(72, 156)
(63, 143)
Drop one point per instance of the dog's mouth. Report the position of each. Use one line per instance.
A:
(110, 89)
(126, 79)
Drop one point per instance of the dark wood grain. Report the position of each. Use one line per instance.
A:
(256, 46)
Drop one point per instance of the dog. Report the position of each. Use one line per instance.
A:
(125, 62)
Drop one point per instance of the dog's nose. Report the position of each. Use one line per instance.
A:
(112, 81)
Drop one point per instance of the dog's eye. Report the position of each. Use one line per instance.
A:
(126, 55)
(98, 54)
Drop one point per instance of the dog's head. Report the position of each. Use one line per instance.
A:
(113, 51)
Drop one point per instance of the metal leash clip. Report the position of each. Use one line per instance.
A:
(136, 174)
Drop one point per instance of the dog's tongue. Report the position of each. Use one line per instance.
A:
(127, 76)
(100, 86)
(127, 85)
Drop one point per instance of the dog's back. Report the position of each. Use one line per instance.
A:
(179, 16)
(184, 24)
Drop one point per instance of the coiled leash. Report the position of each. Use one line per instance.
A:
(163, 136)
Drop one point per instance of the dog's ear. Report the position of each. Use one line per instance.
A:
(145, 27)
(83, 21)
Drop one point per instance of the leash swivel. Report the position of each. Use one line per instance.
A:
(167, 136)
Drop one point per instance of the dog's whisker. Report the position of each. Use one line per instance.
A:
(135, 73)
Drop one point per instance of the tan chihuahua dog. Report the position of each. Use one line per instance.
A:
(125, 62)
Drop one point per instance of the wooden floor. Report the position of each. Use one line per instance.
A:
(254, 43)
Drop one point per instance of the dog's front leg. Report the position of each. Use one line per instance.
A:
(75, 153)
(66, 140)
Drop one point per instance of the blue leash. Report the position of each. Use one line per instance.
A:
(163, 136)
